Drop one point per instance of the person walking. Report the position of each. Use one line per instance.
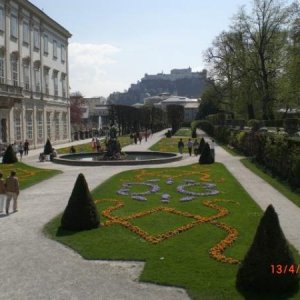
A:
(190, 146)
(131, 138)
(2, 192)
(72, 149)
(180, 146)
(94, 146)
(12, 191)
(135, 138)
(195, 146)
(26, 147)
(212, 149)
(21, 150)
(15, 147)
(140, 137)
(98, 145)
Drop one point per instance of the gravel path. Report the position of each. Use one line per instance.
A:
(35, 267)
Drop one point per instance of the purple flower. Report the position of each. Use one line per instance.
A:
(123, 192)
(170, 181)
(187, 198)
(140, 198)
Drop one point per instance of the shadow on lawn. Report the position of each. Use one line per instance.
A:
(63, 232)
(251, 296)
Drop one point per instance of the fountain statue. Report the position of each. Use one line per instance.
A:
(113, 146)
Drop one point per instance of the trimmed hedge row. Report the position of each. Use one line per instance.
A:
(279, 154)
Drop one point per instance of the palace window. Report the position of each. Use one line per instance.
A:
(63, 85)
(2, 19)
(55, 83)
(17, 125)
(14, 26)
(25, 33)
(64, 123)
(63, 53)
(56, 124)
(36, 38)
(37, 81)
(40, 124)
(54, 49)
(26, 77)
(14, 72)
(46, 49)
(49, 133)
(2, 76)
(29, 125)
(46, 80)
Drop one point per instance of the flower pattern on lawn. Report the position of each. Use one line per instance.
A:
(125, 190)
(216, 252)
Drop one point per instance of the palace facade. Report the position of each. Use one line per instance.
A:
(34, 77)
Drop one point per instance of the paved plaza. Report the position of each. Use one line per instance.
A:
(35, 267)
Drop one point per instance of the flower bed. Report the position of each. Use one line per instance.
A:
(215, 252)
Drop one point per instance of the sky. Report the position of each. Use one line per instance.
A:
(115, 42)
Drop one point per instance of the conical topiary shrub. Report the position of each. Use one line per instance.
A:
(201, 146)
(194, 133)
(81, 212)
(9, 156)
(260, 272)
(48, 148)
(206, 157)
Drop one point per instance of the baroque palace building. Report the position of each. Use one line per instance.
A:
(34, 79)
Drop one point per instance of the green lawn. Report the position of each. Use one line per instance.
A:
(184, 131)
(124, 141)
(169, 145)
(283, 187)
(27, 175)
(177, 240)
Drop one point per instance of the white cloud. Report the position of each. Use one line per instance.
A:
(88, 63)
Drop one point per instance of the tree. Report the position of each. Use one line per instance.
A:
(48, 148)
(269, 248)
(81, 212)
(248, 60)
(209, 103)
(9, 156)
(264, 31)
(289, 80)
(201, 146)
(76, 101)
(175, 115)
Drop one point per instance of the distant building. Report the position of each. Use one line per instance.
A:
(34, 76)
(156, 100)
(102, 114)
(93, 112)
(177, 74)
(137, 105)
(191, 106)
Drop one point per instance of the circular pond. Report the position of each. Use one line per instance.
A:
(131, 158)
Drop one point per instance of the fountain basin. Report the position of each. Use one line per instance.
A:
(132, 158)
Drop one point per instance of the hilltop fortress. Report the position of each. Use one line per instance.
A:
(181, 82)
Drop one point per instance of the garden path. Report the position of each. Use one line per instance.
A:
(35, 267)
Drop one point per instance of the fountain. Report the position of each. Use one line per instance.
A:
(114, 156)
